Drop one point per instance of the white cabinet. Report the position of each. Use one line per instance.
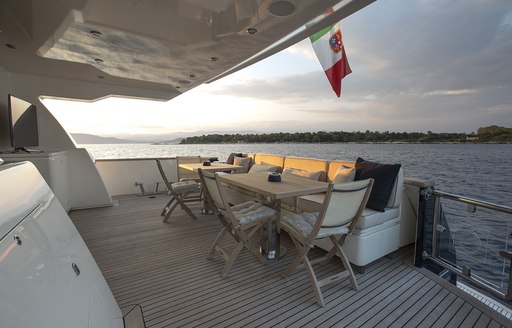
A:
(48, 278)
(54, 169)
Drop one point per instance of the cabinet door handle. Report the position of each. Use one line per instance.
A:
(76, 269)
(18, 239)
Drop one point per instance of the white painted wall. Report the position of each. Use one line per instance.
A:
(121, 175)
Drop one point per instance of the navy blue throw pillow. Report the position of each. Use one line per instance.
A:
(384, 176)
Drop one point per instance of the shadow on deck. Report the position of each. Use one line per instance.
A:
(163, 268)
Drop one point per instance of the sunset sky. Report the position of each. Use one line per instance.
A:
(438, 65)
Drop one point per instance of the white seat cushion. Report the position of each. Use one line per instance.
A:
(184, 186)
(372, 218)
(369, 218)
(304, 223)
(251, 211)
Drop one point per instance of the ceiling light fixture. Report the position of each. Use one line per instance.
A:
(252, 30)
(96, 33)
(281, 8)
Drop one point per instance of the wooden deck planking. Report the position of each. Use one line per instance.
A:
(163, 267)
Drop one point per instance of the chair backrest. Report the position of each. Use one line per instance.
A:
(162, 173)
(343, 205)
(184, 173)
(209, 180)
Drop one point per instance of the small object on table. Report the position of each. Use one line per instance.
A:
(207, 163)
(274, 177)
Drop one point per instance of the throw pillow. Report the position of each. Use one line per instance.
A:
(344, 174)
(384, 176)
(242, 161)
(231, 157)
(314, 175)
(263, 168)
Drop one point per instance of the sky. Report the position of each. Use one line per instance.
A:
(423, 65)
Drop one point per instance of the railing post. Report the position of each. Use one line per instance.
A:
(424, 191)
(435, 224)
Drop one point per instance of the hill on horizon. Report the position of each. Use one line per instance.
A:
(84, 138)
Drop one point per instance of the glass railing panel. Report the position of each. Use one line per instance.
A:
(471, 237)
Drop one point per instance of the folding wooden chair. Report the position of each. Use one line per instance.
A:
(179, 192)
(342, 207)
(240, 221)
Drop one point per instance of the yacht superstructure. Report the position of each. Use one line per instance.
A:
(90, 49)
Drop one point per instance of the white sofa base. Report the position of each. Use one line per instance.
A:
(365, 246)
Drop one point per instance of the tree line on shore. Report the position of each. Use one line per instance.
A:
(489, 134)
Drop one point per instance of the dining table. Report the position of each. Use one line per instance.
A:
(213, 167)
(290, 185)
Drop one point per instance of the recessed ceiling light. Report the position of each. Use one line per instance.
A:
(281, 8)
(98, 60)
(252, 30)
(96, 33)
(214, 58)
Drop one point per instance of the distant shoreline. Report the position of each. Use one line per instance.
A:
(248, 143)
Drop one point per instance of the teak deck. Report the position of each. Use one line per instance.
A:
(163, 268)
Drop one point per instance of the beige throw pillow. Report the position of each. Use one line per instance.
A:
(242, 161)
(344, 174)
(314, 175)
(263, 168)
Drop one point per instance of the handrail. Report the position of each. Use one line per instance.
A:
(472, 201)
(466, 271)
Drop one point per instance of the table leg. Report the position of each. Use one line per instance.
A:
(271, 245)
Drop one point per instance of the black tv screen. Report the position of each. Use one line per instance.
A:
(23, 123)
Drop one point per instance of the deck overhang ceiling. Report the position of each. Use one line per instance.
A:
(166, 46)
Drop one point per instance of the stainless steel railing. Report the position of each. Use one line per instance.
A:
(481, 252)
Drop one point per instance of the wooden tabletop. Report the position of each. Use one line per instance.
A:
(214, 167)
(289, 186)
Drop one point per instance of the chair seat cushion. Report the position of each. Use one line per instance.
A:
(184, 186)
(304, 223)
(251, 211)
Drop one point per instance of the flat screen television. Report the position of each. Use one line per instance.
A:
(22, 123)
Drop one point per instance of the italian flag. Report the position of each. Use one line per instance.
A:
(328, 46)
